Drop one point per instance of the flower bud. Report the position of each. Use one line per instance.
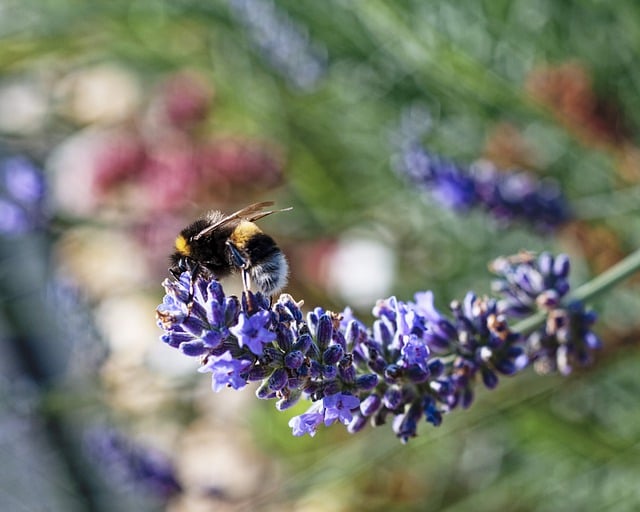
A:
(294, 359)
(278, 379)
(324, 331)
(367, 382)
(333, 354)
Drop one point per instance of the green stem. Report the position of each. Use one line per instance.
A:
(609, 278)
(590, 289)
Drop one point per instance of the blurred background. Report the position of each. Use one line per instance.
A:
(123, 121)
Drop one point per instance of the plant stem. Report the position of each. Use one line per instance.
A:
(591, 289)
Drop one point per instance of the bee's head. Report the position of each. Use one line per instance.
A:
(179, 264)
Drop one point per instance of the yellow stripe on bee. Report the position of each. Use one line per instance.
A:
(182, 246)
(243, 233)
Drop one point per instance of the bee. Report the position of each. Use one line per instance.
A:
(218, 245)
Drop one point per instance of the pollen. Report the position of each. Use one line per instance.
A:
(182, 246)
(244, 232)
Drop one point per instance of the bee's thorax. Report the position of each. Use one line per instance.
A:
(244, 232)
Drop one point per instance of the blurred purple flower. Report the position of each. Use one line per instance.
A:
(130, 464)
(507, 196)
(284, 43)
(23, 180)
(528, 282)
(22, 194)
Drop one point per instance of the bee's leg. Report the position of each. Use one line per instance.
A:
(239, 260)
(246, 282)
(195, 271)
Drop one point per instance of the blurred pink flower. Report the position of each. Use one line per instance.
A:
(120, 158)
(156, 163)
(170, 178)
(241, 161)
(187, 98)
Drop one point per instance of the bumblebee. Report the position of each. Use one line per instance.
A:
(219, 245)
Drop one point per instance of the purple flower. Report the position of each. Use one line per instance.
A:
(406, 425)
(198, 327)
(226, 371)
(415, 352)
(565, 340)
(251, 331)
(527, 283)
(308, 422)
(13, 219)
(440, 333)
(530, 283)
(338, 407)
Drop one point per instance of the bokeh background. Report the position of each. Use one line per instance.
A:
(122, 121)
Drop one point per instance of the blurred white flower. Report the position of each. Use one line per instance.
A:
(72, 166)
(102, 94)
(23, 107)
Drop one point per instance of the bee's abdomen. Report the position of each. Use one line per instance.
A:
(259, 247)
(268, 266)
(270, 275)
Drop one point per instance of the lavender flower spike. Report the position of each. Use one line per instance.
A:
(413, 363)
(527, 284)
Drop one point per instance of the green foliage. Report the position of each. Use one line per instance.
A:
(535, 444)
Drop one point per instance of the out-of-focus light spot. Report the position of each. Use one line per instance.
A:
(361, 271)
(102, 262)
(125, 322)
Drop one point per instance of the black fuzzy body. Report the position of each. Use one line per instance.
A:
(218, 245)
(209, 253)
(259, 248)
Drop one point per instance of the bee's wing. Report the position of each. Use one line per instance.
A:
(250, 213)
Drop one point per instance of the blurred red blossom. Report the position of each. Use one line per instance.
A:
(567, 89)
(158, 163)
(508, 149)
(241, 161)
(170, 177)
(120, 157)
